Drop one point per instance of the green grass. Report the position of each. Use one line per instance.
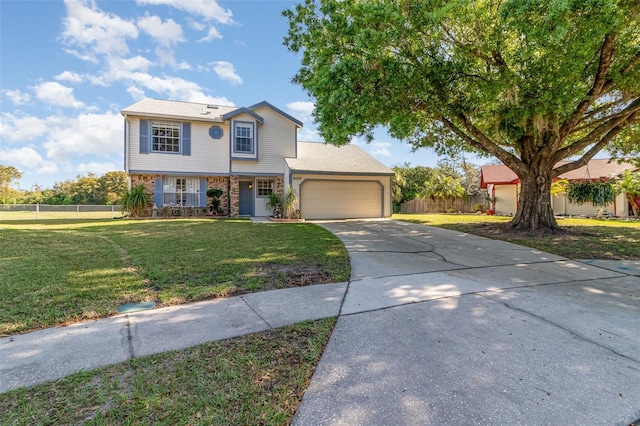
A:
(255, 379)
(584, 239)
(63, 271)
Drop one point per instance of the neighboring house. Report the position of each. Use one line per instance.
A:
(504, 185)
(178, 150)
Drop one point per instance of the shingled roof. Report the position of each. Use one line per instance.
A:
(317, 157)
(595, 169)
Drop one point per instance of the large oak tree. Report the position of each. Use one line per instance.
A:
(531, 82)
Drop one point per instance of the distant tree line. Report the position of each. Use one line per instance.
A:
(450, 179)
(90, 189)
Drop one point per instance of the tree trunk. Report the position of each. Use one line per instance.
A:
(534, 204)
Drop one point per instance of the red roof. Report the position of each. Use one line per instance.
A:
(595, 169)
(497, 175)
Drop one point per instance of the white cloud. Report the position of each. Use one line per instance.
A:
(95, 32)
(375, 148)
(17, 97)
(70, 76)
(55, 93)
(166, 33)
(379, 149)
(85, 134)
(16, 129)
(27, 158)
(98, 168)
(225, 71)
(207, 9)
(136, 93)
(213, 33)
(301, 110)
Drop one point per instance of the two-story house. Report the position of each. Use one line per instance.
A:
(179, 150)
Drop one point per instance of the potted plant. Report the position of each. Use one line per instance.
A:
(215, 194)
(492, 205)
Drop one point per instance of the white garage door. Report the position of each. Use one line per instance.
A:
(327, 199)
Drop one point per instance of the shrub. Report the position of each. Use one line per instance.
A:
(135, 201)
(477, 207)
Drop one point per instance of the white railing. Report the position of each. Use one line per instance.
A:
(48, 211)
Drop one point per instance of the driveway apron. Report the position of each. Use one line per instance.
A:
(441, 327)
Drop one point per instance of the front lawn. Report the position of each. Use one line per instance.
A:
(583, 239)
(59, 272)
(257, 379)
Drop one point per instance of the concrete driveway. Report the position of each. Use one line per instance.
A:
(439, 327)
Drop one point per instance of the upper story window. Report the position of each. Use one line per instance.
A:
(243, 138)
(165, 137)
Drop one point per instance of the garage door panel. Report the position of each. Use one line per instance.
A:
(341, 199)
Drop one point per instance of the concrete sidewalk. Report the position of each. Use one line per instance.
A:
(435, 327)
(49, 354)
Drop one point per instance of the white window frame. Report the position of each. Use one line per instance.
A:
(181, 192)
(264, 187)
(165, 135)
(250, 138)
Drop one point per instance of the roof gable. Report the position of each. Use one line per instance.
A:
(243, 110)
(278, 110)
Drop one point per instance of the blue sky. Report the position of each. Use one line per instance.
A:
(69, 67)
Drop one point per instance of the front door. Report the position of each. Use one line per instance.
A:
(246, 198)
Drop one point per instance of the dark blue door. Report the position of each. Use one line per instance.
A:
(246, 199)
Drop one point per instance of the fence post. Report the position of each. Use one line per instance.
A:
(37, 211)
(78, 211)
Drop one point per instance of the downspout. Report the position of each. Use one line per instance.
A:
(126, 148)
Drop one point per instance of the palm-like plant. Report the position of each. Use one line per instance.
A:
(135, 201)
(289, 201)
(629, 182)
(444, 188)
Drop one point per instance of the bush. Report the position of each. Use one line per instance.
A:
(477, 208)
(135, 201)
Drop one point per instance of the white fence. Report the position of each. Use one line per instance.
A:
(47, 211)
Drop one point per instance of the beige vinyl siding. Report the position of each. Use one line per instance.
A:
(207, 155)
(343, 196)
(622, 205)
(561, 205)
(506, 199)
(276, 141)
(260, 208)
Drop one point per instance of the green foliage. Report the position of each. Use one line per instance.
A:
(9, 176)
(477, 208)
(135, 201)
(629, 183)
(273, 202)
(443, 188)
(215, 194)
(597, 193)
(476, 76)
(409, 181)
(288, 202)
(285, 205)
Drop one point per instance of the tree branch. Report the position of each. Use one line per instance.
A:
(632, 63)
(486, 145)
(606, 56)
(584, 160)
(630, 117)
